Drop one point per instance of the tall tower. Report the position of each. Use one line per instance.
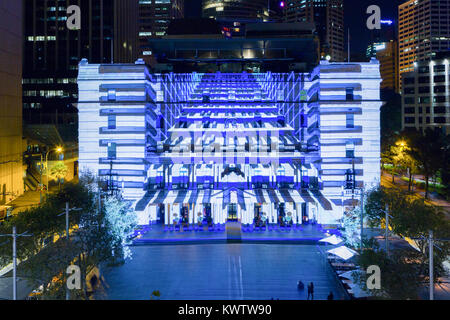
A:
(109, 32)
(11, 175)
(236, 9)
(155, 17)
(328, 16)
(424, 30)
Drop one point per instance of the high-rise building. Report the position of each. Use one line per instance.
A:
(109, 32)
(426, 95)
(328, 17)
(423, 30)
(155, 17)
(11, 171)
(238, 10)
(387, 54)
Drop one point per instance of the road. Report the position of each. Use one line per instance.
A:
(386, 181)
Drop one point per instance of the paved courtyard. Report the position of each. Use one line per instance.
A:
(220, 271)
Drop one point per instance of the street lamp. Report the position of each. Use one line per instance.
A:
(58, 150)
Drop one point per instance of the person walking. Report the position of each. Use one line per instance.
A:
(330, 296)
(310, 291)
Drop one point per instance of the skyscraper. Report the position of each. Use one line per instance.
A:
(426, 95)
(11, 175)
(387, 54)
(109, 32)
(424, 30)
(154, 19)
(328, 16)
(236, 9)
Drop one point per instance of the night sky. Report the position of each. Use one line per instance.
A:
(355, 18)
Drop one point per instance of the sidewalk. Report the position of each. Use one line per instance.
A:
(25, 201)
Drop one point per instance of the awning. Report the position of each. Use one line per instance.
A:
(331, 240)
(322, 200)
(285, 195)
(142, 204)
(343, 252)
(273, 196)
(259, 196)
(306, 196)
(295, 195)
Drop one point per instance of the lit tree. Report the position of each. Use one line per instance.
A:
(352, 227)
(58, 172)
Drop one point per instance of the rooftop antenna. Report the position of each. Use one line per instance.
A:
(112, 50)
(348, 46)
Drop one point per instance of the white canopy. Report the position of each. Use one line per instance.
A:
(332, 240)
(343, 252)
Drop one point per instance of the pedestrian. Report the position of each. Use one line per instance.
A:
(310, 291)
(330, 296)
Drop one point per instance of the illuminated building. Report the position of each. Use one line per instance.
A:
(233, 146)
(236, 9)
(426, 95)
(109, 32)
(328, 17)
(155, 17)
(423, 31)
(11, 171)
(387, 54)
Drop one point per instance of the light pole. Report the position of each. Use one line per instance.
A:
(14, 236)
(59, 150)
(386, 232)
(66, 213)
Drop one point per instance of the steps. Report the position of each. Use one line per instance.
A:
(234, 232)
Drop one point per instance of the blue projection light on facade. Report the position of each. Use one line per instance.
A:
(287, 147)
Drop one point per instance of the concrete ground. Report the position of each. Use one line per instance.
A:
(221, 271)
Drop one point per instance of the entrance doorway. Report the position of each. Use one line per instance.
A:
(232, 212)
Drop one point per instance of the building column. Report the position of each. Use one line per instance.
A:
(216, 217)
(153, 213)
(166, 214)
(191, 213)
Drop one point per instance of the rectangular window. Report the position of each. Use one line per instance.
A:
(424, 69)
(439, 78)
(112, 121)
(439, 110)
(409, 80)
(410, 90)
(350, 120)
(409, 120)
(112, 150)
(439, 99)
(409, 100)
(349, 94)
(424, 89)
(439, 89)
(111, 95)
(424, 79)
(439, 68)
(350, 150)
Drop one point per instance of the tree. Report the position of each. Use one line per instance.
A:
(400, 273)
(58, 172)
(427, 151)
(100, 236)
(412, 218)
(351, 224)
